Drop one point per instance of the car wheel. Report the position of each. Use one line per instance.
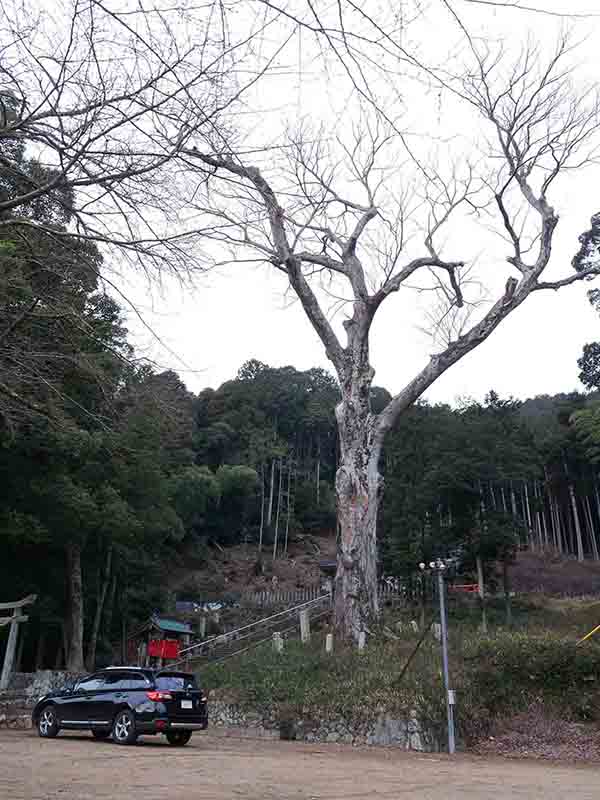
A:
(178, 738)
(47, 724)
(123, 731)
(100, 734)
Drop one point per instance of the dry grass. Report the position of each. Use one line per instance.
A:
(540, 733)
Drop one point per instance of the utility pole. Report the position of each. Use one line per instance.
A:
(438, 568)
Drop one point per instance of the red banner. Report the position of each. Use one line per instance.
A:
(163, 648)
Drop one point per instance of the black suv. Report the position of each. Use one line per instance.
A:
(126, 702)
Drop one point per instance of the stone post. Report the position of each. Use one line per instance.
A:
(304, 626)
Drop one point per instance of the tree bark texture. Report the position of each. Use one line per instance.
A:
(74, 654)
(359, 488)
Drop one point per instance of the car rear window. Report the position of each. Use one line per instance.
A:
(175, 682)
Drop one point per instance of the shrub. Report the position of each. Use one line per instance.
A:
(512, 670)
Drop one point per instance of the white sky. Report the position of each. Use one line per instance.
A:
(242, 312)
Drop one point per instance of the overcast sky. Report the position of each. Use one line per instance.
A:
(243, 312)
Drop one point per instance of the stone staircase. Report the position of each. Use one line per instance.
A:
(240, 640)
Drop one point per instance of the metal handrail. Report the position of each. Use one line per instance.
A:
(254, 645)
(225, 636)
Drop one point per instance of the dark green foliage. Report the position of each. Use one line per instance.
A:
(589, 251)
(444, 466)
(589, 364)
(588, 256)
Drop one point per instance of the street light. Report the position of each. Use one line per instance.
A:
(438, 567)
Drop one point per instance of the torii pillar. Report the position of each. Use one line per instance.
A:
(11, 647)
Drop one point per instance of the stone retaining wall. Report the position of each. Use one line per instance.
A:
(24, 691)
(407, 734)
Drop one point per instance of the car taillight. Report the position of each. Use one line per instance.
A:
(157, 697)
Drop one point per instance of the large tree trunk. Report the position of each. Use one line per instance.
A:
(359, 488)
(74, 655)
(91, 653)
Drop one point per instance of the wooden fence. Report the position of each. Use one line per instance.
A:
(270, 598)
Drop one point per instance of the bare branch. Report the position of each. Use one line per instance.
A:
(533, 9)
(284, 256)
(590, 272)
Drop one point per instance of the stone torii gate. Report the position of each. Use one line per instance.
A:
(13, 621)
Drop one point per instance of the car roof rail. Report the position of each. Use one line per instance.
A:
(124, 666)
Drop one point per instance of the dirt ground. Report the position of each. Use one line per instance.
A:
(75, 767)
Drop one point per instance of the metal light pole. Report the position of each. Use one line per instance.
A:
(438, 567)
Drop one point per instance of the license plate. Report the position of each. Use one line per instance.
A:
(187, 703)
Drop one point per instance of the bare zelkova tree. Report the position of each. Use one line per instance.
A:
(342, 220)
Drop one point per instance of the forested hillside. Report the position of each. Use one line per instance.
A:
(98, 510)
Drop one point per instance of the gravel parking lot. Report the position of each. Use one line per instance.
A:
(76, 767)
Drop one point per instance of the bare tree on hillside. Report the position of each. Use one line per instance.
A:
(342, 232)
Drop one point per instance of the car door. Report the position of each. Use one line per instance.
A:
(74, 708)
(106, 698)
